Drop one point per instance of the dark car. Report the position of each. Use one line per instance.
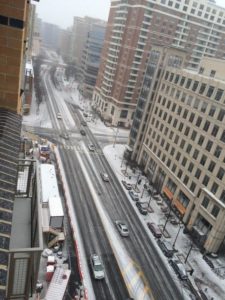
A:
(154, 229)
(127, 185)
(83, 123)
(166, 248)
(143, 210)
(133, 195)
(82, 132)
(64, 135)
(179, 268)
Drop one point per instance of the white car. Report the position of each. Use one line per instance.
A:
(97, 267)
(59, 116)
(122, 228)
(104, 176)
(91, 147)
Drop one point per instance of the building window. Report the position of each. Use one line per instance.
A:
(221, 115)
(218, 151)
(214, 188)
(204, 107)
(215, 130)
(195, 86)
(210, 91)
(212, 111)
(205, 202)
(206, 126)
(212, 73)
(188, 83)
(205, 180)
(189, 147)
(199, 121)
(201, 140)
(219, 94)
(222, 196)
(198, 173)
(193, 135)
(209, 146)
(193, 186)
(190, 167)
(203, 160)
(211, 166)
(182, 81)
(215, 211)
(123, 114)
(192, 116)
(186, 178)
(220, 173)
(223, 137)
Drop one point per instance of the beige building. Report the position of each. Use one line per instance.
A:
(180, 142)
(133, 28)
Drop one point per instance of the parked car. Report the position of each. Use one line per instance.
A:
(91, 147)
(133, 195)
(154, 229)
(85, 114)
(104, 176)
(127, 185)
(122, 228)
(179, 268)
(82, 132)
(166, 248)
(143, 210)
(97, 267)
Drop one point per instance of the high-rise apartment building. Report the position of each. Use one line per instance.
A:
(180, 143)
(133, 27)
(91, 59)
(19, 241)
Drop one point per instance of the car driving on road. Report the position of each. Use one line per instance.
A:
(97, 266)
(64, 135)
(82, 132)
(104, 176)
(91, 147)
(122, 228)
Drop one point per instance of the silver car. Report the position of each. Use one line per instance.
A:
(122, 228)
(104, 176)
(97, 267)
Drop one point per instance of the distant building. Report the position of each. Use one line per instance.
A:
(91, 59)
(36, 37)
(178, 139)
(50, 35)
(65, 44)
(81, 27)
(133, 27)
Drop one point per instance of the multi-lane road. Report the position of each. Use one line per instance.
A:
(147, 267)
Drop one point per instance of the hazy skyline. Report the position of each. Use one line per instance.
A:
(61, 12)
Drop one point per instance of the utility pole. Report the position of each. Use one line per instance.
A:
(168, 216)
(117, 129)
(188, 253)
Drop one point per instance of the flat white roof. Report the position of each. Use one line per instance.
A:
(55, 207)
(49, 185)
(58, 284)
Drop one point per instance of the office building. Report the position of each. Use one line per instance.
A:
(180, 141)
(133, 27)
(91, 59)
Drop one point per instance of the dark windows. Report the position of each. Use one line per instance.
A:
(215, 130)
(196, 153)
(195, 86)
(206, 126)
(209, 146)
(196, 103)
(189, 147)
(215, 211)
(201, 140)
(171, 77)
(198, 173)
(205, 202)
(182, 80)
(203, 160)
(217, 151)
(16, 23)
(123, 113)
(205, 180)
(221, 115)
(199, 121)
(188, 83)
(202, 88)
(4, 20)
(222, 138)
(192, 116)
(193, 135)
(212, 111)
(211, 166)
(214, 188)
(210, 91)
(219, 94)
(220, 173)
(190, 167)
(185, 113)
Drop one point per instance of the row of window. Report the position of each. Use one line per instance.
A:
(200, 88)
(11, 22)
(215, 209)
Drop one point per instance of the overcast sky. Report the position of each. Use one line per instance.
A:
(61, 12)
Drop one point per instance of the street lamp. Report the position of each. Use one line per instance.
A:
(168, 216)
(150, 198)
(189, 252)
(180, 226)
(117, 129)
